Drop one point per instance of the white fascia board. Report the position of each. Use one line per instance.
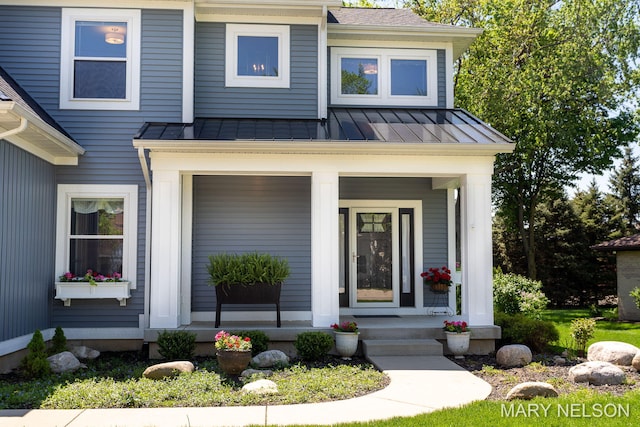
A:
(328, 147)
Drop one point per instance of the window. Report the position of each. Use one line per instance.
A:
(96, 230)
(257, 56)
(100, 59)
(384, 77)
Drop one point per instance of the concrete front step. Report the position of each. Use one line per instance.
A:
(408, 347)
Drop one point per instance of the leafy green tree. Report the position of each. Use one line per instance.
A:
(555, 77)
(625, 186)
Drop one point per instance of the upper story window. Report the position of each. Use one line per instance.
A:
(400, 77)
(100, 59)
(257, 56)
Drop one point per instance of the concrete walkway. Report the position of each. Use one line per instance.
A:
(419, 384)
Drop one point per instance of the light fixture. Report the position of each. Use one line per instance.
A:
(114, 37)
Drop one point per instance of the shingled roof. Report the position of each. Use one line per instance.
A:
(628, 243)
(378, 16)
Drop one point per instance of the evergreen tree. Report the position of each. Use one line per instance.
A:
(625, 186)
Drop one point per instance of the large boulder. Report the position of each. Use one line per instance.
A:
(83, 352)
(597, 373)
(513, 355)
(269, 359)
(261, 387)
(64, 362)
(168, 369)
(636, 362)
(532, 389)
(616, 352)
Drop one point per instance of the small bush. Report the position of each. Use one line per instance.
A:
(259, 340)
(313, 345)
(176, 345)
(59, 342)
(35, 364)
(514, 294)
(534, 333)
(611, 314)
(582, 330)
(635, 294)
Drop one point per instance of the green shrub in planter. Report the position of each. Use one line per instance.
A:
(35, 363)
(313, 345)
(176, 345)
(259, 340)
(247, 269)
(519, 329)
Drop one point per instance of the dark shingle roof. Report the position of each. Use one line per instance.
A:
(627, 243)
(382, 17)
(393, 125)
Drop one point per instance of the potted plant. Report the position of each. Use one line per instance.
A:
(438, 279)
(90, 286)
(458, 335)
(233, 352)
(251, 278)
(346, 334)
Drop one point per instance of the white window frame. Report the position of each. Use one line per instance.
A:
(233, 31)
(384, 97)
(132, 95)
(129, 194)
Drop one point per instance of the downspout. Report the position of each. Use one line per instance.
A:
(147, 240)
(23, 125)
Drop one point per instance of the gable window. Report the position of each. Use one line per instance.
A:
(383, 77)
(100, 59)
(257, 56)
(96, 230)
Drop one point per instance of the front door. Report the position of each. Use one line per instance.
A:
(374, 265)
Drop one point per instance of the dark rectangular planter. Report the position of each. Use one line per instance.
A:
(259, 293)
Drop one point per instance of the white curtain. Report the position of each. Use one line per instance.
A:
(87, 206)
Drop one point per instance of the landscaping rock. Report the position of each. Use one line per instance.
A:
(168, 369)
(636, 362)
(514, 355)
(261, 372)
(618, 353)
(597, 373)
(559, 361)
(270, 358)
(261, 387)
(82, 352)
(64, 362)
(532, 389)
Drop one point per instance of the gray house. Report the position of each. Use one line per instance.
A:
(138, 139)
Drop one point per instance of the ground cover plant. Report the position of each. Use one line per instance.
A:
(114, 380)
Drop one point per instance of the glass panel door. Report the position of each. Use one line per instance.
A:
(374, 259)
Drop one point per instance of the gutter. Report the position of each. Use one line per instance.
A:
(23, 125)
(147, 240)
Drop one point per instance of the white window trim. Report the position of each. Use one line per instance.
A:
(129, 193)
(233, 31)
(132, 98)
(384, 96)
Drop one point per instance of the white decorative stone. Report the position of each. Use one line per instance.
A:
(529, 390)
(82, 352)
(269, 359)
(514, 355)
(597, 373)
(168, 369)
(261, 387)
(64, 362)
(616, 352)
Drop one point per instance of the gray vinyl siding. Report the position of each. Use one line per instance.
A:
(442, 79)
(434, 210)
(27, 241)
(32, 58)
(237, 214)
(213, 99)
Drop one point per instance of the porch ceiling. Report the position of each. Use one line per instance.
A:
(377, 127)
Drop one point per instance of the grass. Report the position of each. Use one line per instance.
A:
(115, 381)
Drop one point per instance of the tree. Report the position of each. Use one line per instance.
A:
(625, 186)
(553, 76)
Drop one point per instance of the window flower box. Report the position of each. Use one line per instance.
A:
(66, 291)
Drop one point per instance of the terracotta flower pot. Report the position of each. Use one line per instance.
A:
(233, 362)
(439, 288)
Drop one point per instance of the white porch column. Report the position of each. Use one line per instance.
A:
(477, 259)
(325, 269)
(164, 310)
